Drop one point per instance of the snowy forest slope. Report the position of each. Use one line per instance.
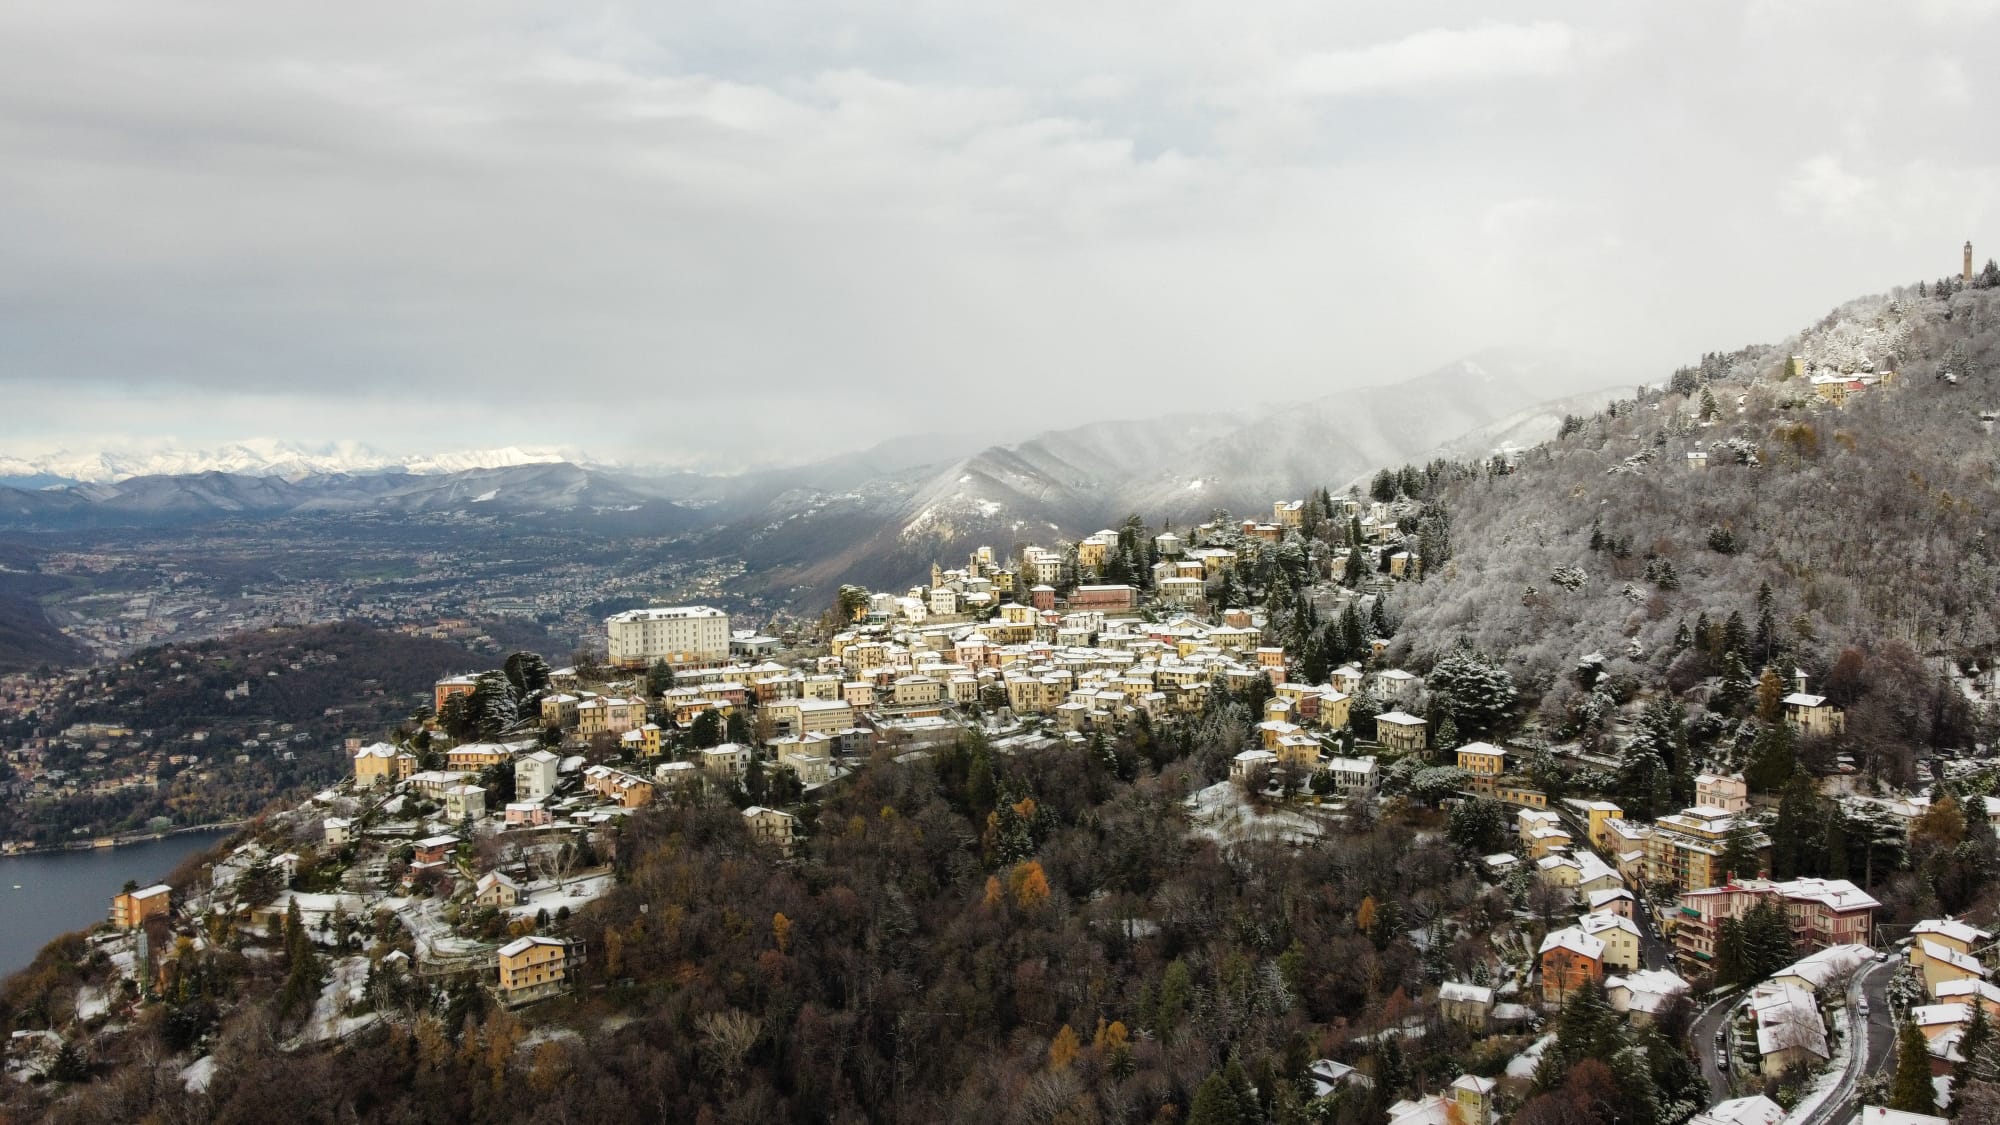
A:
(1872, 523)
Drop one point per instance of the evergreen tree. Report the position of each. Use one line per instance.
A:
(1737, 687)
(1772, 758)
(1215, 1103)
(492, 706)
(1378, 619)
(1477, 694)
(1355, 570)
(1798, 832)
(1910, 1090)
(1353, 635)
(1446, 741)
(1974, 1043)
(1667, 578)
(1642, 781)
(1739, 852)
(1735, 638)
(659, 678)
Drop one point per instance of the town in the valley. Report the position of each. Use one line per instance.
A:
(1614, 883)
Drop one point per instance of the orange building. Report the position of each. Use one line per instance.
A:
(130, 910)
(534, 967)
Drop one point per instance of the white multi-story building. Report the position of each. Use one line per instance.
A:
(535, 776)
(689, 636)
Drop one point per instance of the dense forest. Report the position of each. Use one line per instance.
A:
(1040, 937)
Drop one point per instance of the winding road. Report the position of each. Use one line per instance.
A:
(1870, 1052)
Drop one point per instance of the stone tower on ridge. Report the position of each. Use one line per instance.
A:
(1967, 275)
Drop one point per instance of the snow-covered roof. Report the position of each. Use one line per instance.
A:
(1951, 928)
(1952, 957)
(1399, 718)
(1830, 964)
(1648, 990)
(1966, 989)
(521, 945)
(1598, 923)
(1787, 1017)
(1574, 940)
(1933, 1015)
(1883, 1115)
(1753, 1110)
(1801, 699)
(1466, 993)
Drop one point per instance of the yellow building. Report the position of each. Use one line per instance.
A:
(771, 826)
(1400, 732)
(1482, 759)
(476, 756)
(1684, 850)
(382, 764)
(1601, 814)
(644, 742)
(534, 967)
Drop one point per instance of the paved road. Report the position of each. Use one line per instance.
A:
(1653, 950)
(1876, 1055)
(1706, 1023)
(1841, 1106)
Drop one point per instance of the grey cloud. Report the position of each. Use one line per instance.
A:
(821, 222)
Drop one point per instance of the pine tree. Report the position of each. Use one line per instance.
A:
(1910, 1090)
(1446, 741)
(1737, 687)
(1176, 994)
(1215, 1103)
(1378, 619)
(1773, 758)
(1739, 852)
(1735, 637)
(1667, 578)
(1972, 1044)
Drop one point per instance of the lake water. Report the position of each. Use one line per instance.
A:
(47, 894)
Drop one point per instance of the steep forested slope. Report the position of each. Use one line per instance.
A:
(1871, 523)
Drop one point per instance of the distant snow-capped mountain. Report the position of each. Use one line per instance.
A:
(257, 457)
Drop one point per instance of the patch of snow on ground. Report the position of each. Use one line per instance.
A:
(573, 894)
(343, 987)
(1223, 814)
(91, 1003)
(199, 1074)
(1523, 1065)
(485, 496)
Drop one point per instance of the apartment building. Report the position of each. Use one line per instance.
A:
(690, 636)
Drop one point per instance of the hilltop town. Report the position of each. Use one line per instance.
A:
(1163, 823)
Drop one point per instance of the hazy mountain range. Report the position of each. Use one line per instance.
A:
(256, 457)
(876, 516)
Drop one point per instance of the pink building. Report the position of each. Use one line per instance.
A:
(1103, 597)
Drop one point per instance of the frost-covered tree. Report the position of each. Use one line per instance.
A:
(492, 706)
(1476, 693)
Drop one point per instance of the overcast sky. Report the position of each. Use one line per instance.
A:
(760, 230)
